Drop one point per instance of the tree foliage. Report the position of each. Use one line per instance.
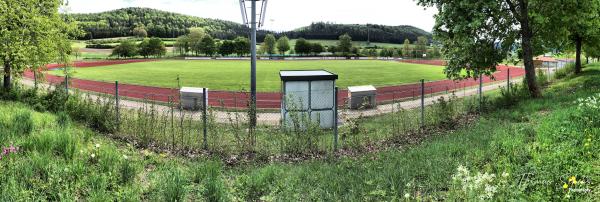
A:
(242, 46)
(140, 31)
(33, 34)
(478, 35)
(406, 48)
(378, 33)
(345, 44)
(226, 48)
(207, 45)
(302, 46)
(268, 46)
(283, 44)
(152, 47)
(121, 22)
(126, 49)
(581, 19)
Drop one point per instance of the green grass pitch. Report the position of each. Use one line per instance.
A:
(235, 75)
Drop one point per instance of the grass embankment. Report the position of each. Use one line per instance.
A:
(537, 150)
(234, 75)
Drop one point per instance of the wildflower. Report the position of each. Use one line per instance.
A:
(125, 157)
(573, 180)
(407, 195)
(93, 155)
(505, 174)
(565, 186)
(97, 145)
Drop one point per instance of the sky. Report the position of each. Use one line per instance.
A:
(284, 15)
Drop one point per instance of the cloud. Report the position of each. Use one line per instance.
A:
(284, 14)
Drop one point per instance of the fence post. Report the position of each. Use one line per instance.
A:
(480, 92)
(118, 114)
(67, 84)
(508, 80)
(35, 83)
(204, 106)
(335, 119)
(422, 103)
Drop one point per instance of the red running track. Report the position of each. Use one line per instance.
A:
(232, 99)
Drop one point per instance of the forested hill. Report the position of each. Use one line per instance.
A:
(157, 23)
(376, 33)
(121, 22)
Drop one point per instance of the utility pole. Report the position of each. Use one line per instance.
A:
(254, 24)
(253, 66)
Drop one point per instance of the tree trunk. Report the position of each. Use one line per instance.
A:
(526, 36)
(578, 55)
(7, 73)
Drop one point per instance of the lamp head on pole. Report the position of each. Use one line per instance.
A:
(261, 14)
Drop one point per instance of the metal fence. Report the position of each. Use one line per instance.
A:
(220, 124)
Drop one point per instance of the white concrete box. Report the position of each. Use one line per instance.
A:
(308, 94)
(192, 98)
(362, 97)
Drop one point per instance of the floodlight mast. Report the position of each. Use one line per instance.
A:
(253, 26)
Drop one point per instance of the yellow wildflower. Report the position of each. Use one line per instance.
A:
(573, 180)
(565, 186)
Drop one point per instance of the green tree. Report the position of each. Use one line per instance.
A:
(182, 45)
(194, 39)
(345, 44)
(406, 48)
(242, 46)
(332, 49)
(581, 18)
(76, 51)
(140, 32)
(126, 49)
(269, 44)
(226, 48)
(435, 52)
(33, 34)
(421, 47)
(207, 45)
(152, 47)
(478, 35)
(302, 46)
(283, 45)
(592, 50)
(316, 48)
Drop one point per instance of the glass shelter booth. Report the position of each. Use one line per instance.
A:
(308, 93)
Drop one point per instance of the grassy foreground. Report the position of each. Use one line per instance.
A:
(538, 150)
(234, 75)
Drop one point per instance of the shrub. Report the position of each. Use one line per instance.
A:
(444, 112)
(511, 95)
(100, 46)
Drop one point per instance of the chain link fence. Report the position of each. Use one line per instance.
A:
(219, 122)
